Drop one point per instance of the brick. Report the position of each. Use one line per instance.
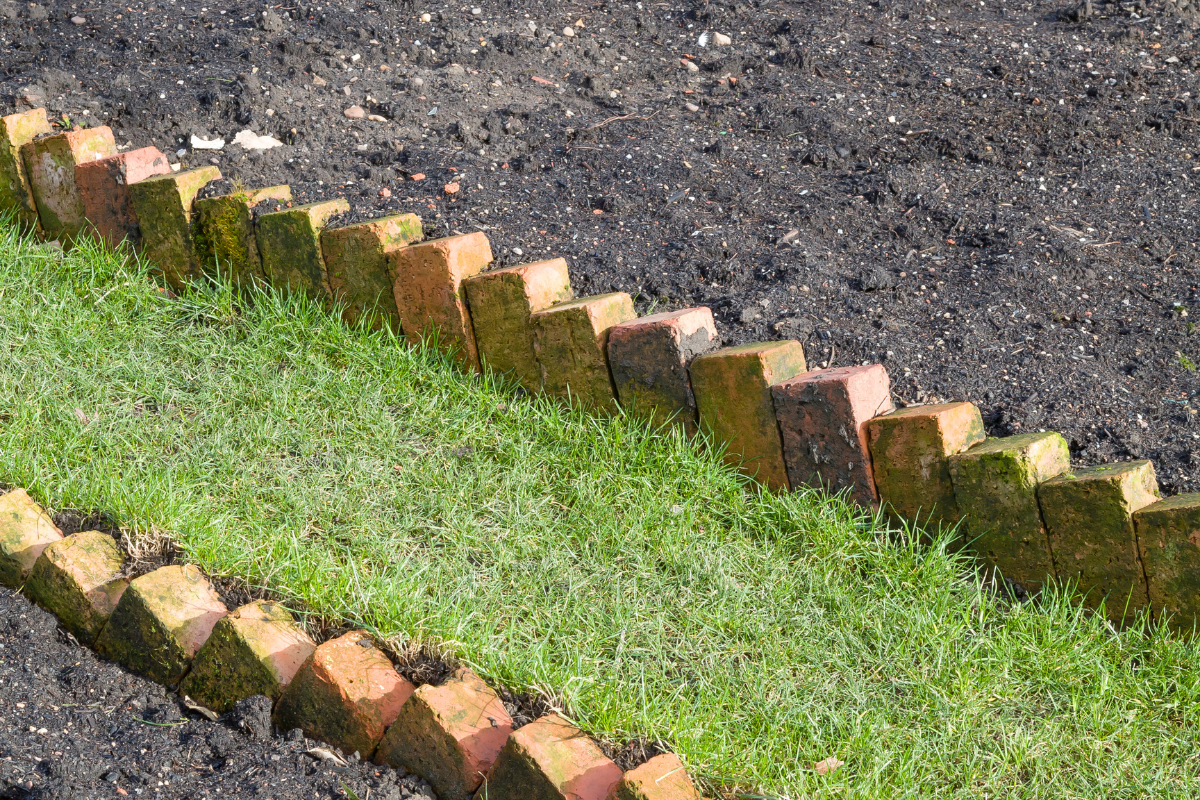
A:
(163, 206)
(995, 486)
(449, 735)
(289, 244)
(346, 694)
(256, 649)
(78, 580)
(823, 418)
(50, 164)
(104, 191)
(160, 623)
(16, 195)
(429, 292)
(25, 531)
(1089, 516)
(649, 358)
(661, 778)
(501, 303)
(223, 233)
(1168, 535)
(360, 275)
(550, 759)
(910, 452)
(571, 344)
(733, 397)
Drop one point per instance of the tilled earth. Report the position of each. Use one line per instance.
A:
(995, 199)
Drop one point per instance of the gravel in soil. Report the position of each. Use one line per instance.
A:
(996, 200)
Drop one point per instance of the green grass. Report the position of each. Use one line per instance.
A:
(628, 575)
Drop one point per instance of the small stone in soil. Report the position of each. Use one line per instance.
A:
(355, 112)
(78, 20)
(568, 31)
(721, 40)
(691, 107)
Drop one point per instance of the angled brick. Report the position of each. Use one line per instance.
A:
(16, 195)
(360, 275)
(571, 343)
(50, 164)
(223, 233)
(661, 778)
(1168, 534)
(163, 206)
(550, 759)
(289, 243)
(78, 580)
(25, 531)
(104, 191)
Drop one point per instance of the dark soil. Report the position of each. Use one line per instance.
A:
(994, 199)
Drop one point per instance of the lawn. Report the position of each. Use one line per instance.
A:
(627, 574)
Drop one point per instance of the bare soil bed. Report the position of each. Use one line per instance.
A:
(994, 199)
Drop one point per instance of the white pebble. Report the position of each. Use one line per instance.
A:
(568, 31)
(476, 11)
(518, 251)
(78, 20)
(689, 65)
(721, 40)
(426, 17)
(691, 106)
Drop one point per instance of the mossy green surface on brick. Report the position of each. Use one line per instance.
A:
(571, 342)
(76, 579)
(224, 233)
(163, 206)
(25, 531)
(15, 193)
(356, 260)
(289, 243)
(995, 484)
(1169, 537)
(50, 164)
(1089, 516)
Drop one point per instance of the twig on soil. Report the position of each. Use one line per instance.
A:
(619, 119)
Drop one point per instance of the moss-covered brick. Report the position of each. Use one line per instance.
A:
(501, 303)
(78, 580)
(429, 292)
(550, 759)
(449, 735)
(256, 649)
(163, 206)
(346, 694)
(1168, 534)
(661, 778)
(995, 485)
(823, 418)
(50, 163)
(1089, 516)
(733, 397)
(360, 274)
(16, 195)
(160, 623)
(289, 244)
(649, 357)
(25, 531)
(104, 191)
(910, 452)
(571, 344)
(223, 233)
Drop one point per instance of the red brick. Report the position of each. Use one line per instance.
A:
(223, 232)
(104, 191)
(449, 735)
(15, 192)
(502, 302)
(163, 205)
(25, 531)
(50, 163)
(550, 759)
(649, 358)
(289, 243)
(910, 452)
(360, 276)
(733, 396)
(571, 343)
(429, 291)
(1168, 535)
(661, 778)
(346, 694)
(823, 418)
(76, 579)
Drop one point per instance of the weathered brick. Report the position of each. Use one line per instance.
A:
(289, 243)
(223, 233)
(501, 303)
(50, 164)
(25, 531)
(661, 778)
(163, 206)
(571, 343)
(995, 486)
(823, 418)
(104, 191)
(1168, 535)
(346, 694)
(910, 452)
(550, 759)
(449, 735)
(429, 293)
(77, 579)
(360, 276)
(733, 397)
(1089, 516)
(16, 195)
(160, 623)
(649, 358)
(255, 649)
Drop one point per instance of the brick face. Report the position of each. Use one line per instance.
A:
(289, 243)
(224, 234)
(104, 191)
(550, 759)
(360, 276)
(661, 778)
(163, 206)
(50, 164)
(1169, 537)
(25, 531)
(76, 579)
(16, 195)
(571, 342)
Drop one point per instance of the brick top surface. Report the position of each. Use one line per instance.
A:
(145, 162)
(1180, 502)
(363, 672)
(588, 303)
(183, 600)
(661, 778)
(568, 756)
